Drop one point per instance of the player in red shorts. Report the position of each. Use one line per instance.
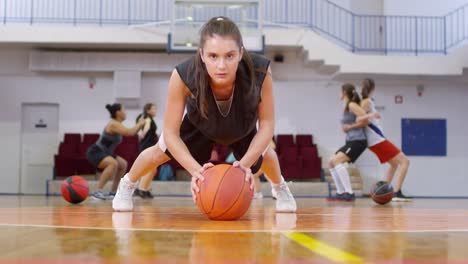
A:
(385, 150)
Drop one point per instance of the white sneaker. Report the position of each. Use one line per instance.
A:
(258, 195)
(285, 202)
(123, 198)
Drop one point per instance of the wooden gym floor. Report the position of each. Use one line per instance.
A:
(37, 229)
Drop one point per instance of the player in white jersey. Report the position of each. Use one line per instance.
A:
(385, 150)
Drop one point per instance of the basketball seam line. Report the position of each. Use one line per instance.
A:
(237, 198)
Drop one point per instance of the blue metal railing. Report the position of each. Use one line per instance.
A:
(358, 33)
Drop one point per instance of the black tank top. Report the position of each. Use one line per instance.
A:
(243, 115)
(150, 137)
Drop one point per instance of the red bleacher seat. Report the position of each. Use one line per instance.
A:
(82, 164)
(283, 141)
(130, 140)
(290, 163)
(65, 160)
(128, 152)
(90, 138)
(72, 138)
(304, 140)
(311, 163)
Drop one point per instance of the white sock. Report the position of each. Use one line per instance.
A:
(342, 173)
(339, 186)
(127, 179)
(276, 185)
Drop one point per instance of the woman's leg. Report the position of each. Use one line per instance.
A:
(339, 163)
(258, 184)
(284, 199)
(109, 167)
(147, 161)
(401, 162)
(121, 169)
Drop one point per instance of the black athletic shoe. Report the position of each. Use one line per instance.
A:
(148, 194)
(143, 194)
(400, 197)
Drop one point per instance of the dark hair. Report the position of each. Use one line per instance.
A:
(351, 93)
(113, 108)
(221, 26)
(144, 114)
(368, 85)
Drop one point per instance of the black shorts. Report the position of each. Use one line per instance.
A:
(353, 149)
(200, 146)
(95, 155)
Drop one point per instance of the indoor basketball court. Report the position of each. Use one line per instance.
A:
(172, 230)
(387, 78)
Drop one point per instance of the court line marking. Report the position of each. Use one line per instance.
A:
(323, 249)
(237, 230)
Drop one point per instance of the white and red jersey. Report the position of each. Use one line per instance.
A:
(374, 131)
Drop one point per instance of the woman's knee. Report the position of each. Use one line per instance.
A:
(404, 161)
(112, 164)
(332, 162)
(123, 165)
(158, 157)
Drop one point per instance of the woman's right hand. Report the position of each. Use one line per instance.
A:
(141, 122)
(375, 115)
(198, 176)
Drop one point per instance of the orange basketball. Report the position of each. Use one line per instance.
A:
(224, 195)
(75, 189)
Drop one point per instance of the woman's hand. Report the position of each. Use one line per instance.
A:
(248, 173)
(198, 176)
(141, 122)
(375, 115)
(346, 128)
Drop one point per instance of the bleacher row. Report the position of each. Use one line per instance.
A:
(298, 158)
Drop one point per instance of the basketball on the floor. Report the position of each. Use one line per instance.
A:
(382, 192)
(75, 189)
(224, 195)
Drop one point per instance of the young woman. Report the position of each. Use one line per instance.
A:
(101, 154)
(147, 138)
(382, 147)
(226, 91)
(355, 145)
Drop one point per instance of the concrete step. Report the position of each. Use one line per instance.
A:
(355, 186)
(353, 178)
(351, 171)
(162, 188)
(356, 192)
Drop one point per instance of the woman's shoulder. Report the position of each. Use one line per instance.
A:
(260, 61)
(185, 71)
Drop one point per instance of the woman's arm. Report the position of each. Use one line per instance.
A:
(361, 121)
(365, 105)
(146, 127)
(266, 124)
(115, 127)
(175, 106)
(367, 116)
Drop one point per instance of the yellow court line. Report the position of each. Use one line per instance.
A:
(323, 249)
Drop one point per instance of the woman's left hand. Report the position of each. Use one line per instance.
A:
(248, 173)
(346, 128)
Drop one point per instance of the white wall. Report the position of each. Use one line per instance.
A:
(362, 7)
(421, 7)
(401, 7)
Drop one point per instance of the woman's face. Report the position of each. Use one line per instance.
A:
(152, 111)
(371, 94)
(221, 56)
(121, 114)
